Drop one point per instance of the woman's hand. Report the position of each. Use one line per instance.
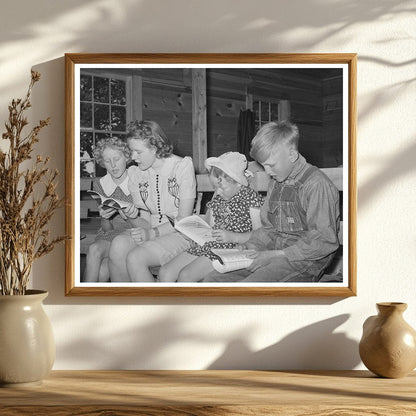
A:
(139, 235)
(129, 212)
(106, 213)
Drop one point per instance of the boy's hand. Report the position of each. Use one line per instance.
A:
(131, 211)
(247, 246)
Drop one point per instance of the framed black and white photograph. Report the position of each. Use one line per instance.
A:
(211, 174)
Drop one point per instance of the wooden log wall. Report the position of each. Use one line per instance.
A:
(314, 106)
(332, 150)
(172, 109)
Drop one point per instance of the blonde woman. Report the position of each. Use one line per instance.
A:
(112, 154)
(163, 188)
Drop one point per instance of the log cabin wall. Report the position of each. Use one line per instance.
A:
(170, 104)
(332, 121)
(167, 99)
(227, 90)
(315, 98)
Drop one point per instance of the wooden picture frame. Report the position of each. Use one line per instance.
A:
(338, 107)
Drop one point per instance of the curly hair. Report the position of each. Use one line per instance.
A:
(152, 134)
(114, 143)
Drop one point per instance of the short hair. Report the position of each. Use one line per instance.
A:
(272, 135)
(152, 134)
(113, 143)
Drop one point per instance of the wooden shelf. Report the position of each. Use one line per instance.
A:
(241, 393)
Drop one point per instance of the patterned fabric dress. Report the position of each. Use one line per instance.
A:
(119, 224)
(232, 215)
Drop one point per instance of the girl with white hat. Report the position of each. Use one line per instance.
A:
(230, 212)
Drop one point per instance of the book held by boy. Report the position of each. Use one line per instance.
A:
(107, 202)
(231, 259)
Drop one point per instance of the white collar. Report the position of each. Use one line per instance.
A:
(109, 186)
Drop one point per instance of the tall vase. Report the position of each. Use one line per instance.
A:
(27, 346)
(388, 345)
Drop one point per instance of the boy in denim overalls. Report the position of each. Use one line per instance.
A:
(300, 217)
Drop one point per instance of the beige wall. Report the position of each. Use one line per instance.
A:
(198, 333)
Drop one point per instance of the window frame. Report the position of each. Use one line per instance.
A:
(128, 79)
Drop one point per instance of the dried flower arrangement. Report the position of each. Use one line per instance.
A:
(28, 199)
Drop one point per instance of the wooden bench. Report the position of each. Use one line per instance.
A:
(90, 221)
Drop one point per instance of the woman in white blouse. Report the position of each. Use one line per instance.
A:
(163, 188)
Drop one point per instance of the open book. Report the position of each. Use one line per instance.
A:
(195, 228)
(231, 259)
(107, 202)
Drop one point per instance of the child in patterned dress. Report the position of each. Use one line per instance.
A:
(232, 211)
(112, 154)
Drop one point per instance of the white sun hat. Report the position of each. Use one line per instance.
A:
(233, 164)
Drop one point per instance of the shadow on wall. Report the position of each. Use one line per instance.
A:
(125, 350)
(152, 345)
(314, 347)
(132, 17)
(393, 169)
(106, 26)
(48, 100)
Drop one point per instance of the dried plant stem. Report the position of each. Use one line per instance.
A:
(24, 216)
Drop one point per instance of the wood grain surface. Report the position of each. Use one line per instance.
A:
(206, 393)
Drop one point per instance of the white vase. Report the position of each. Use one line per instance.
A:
(27, 346)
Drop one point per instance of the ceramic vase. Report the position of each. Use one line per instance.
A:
(27, 347)
(388, 345)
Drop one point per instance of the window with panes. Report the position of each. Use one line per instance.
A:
(104, 102)
(265, 111)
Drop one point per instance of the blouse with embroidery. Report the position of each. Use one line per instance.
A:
(158, 192)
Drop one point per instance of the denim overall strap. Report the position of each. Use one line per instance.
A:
(286, 213)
